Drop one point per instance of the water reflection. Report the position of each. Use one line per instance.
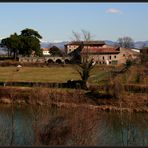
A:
(126, 129)
(85, 127)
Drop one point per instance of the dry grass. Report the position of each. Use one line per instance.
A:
(67, 128)
(46, 96)
(137, 74)
(68, 98)
(48, 74)
(38, 74)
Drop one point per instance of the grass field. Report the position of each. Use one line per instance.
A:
(47, 74)
(136, 75)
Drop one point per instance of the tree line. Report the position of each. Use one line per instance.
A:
(25, 44)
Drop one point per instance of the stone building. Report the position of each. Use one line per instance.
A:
(100, 52)
(101, 55)
(45, 51)
(71, 46)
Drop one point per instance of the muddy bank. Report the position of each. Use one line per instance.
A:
(107, 108)
(72, 98)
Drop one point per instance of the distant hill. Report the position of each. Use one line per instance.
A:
(140, 44)
(3, 51)
(60, 45)
(137, 44)
(44, 44)
(108, 42)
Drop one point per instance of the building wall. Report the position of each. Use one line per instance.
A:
(114, 59)
(106, 58)
(71, 48)
(126, 54)
(46, 53)
(102, 58)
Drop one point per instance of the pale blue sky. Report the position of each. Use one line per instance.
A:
(56, 21)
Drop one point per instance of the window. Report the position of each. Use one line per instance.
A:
(124, 55)
(103, 57)
(110, 57)
(115, 57)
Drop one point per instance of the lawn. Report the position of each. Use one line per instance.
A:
(47, 74)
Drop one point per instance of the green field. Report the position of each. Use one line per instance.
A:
(47, 74)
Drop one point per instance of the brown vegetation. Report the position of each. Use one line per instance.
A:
(75, 98)
(75, 127)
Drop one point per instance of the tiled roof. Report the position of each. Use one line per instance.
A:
(45, 49)
(94, 42)
(74, 43)
(86, 43)
(100, 50)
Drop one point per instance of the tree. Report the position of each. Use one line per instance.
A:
(144, 55)
(125, 42)
(128, 64)
(30, 42)
(5, 42)
(77, 36)
(83, 36)
(31, 32)
(85, 68)
(23, 44)
(13, 44)
(55, 51)
(86, 35)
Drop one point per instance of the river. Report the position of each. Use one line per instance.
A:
(23, 125)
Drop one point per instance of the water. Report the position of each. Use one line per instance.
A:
(85, 127)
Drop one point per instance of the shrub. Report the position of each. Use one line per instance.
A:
(117, 89)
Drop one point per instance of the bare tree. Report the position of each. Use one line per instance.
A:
(84, 70)
(87, 36)
(77, 36)
(125, 42)
(87, 65)
(84, 35)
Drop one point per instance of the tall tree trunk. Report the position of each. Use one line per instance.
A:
(14, 55)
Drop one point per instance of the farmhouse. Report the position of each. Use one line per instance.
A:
(100, 52)
(126, 53)
(100, 55)
(71, 46)
(80, 51)
(45, 51)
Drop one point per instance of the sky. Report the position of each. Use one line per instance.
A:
(56, 21)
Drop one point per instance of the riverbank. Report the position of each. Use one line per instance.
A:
(75, 98)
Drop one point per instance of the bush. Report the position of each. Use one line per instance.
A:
(117, 89)
(128, 63)
(137, 77)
